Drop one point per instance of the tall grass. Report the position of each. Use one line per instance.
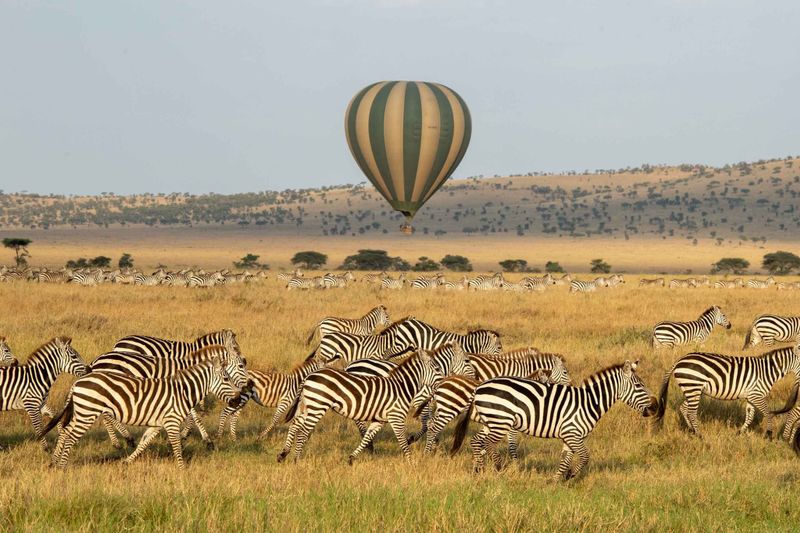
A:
(637, 478)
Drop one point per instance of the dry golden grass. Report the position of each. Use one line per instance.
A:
(636, 480)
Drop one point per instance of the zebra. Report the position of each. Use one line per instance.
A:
(411, 333)
(47, 276)
(563, 280)
(330, 281)
(286, 276)
(365, 325)
(487, 283)
(427, 283)
(151, 280)
(206, 280)
(155, 403)
(350, 347)
(673, 334)
(122, 278)
(538, 284)
(375, 400)
(726, 377)
(270, 389)
(456, 285)
(771, 328)
(169, 349)
(394, 284)
(657, 282)
(577, 285)
(374, 278)
(176, 279)
(26, 386)
(6, 354)
(304, 283)
(453, 395)
(728, 284)
(784, 285)
(758, 284)
(682, 283)
(614, 280)
(551, 411)
(88, 279)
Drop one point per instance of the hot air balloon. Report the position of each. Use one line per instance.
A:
(407, 137)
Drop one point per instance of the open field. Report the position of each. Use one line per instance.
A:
(219, 246)
(635, 480)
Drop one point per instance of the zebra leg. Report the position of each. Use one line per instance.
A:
(173, 428)
(71, 433)
(283, 406)
(149, 435)
(492, 440)
(689, 410)
(564, 463)
(363, 427)
(234, 424)
(513, 444)
(791, 419)
(34, 410)
(223, 419)
(202, 429)
(759, 404)
(397, 421)
(290, 437)
(108, 423)
(437, 424)
(478, 445)
(579, 449)
(425, 417)
(749, 412)
(366, 439)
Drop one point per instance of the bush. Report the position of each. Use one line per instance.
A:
(20, 247)
(250, 261)
(781, 263)
(553, 268)
(374, 260)
(514, 265)
(600, 267)
(126, 261)
(730, 265)
(456, 263)
(310, 260)
(425, 265)
(100, 261)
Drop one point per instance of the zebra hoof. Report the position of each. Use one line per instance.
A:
(768, 434)
(210, 446)
(350, 460)
(130, 442)
(116, 445)
(282, 456)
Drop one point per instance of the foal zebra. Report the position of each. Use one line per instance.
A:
(374, 400)
(773, 328)
(657, 282)
(551, 411)
(727, 377)
(365, 325)
(26, 386)
(758, 284)
(155, 403)
(577, 285)
(673, 334)
(728, 284)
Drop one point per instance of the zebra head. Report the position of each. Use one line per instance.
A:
(6, 355)
(224, 385)
(68, 359)
(452, 360)
(559, 374)
(235, 364)
(633, 391)
(483, 341)
(432, 372)
(720, 318)
(383, 316)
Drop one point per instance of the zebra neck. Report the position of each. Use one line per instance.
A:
(600, 395)
(707, 321)
(46, 370)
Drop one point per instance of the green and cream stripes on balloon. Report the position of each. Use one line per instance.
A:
(407, 137)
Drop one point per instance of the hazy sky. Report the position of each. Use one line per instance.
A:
(201, 96)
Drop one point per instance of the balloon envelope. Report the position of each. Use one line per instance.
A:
(407, 137)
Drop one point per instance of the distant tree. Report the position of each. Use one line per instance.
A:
(553, 267)
(600, 267)
(20, 247)
(730, 265)
(425, 264)
(100, 261)
(310, 260)
(81, 262)
(514, 265)
(781, 263)
(125, 261)
(374, 260)
(250, 261)
(456, 263)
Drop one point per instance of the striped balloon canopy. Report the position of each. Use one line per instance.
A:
(407, 137)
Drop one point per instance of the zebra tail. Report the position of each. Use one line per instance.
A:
(790, 402)
(461, 429)
(311, 336)
(419, 410)
(65, 413)
(292, 411)
(662, 397)
(747, 339)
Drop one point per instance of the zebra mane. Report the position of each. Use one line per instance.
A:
(473, 331)
(39, 353)
(408, 360)
(708, 311)
(204, 352)
(394, 325)
(595, 377)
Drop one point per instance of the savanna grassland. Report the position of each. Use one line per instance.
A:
(637, 479)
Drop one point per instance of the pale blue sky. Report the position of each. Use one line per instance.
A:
(201, 96)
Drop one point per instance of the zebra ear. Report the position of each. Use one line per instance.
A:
(627, 368)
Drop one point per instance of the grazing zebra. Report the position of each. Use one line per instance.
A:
(151, 280)
(270, 389)
(206, 280)
(728, 284)
(330, 281)
(304, 283)
(577, 285)
(88, 278)
(456, 285)
(727, 377)
(486, 283)
(673, 334)
(394, 284)
(374, 278)
(350, 347)
(427, 283)
(154, 403)
(657, 282)
(6, 355)
(26, 386)
(551, 411)
(453, 395)
(169, 349)
(365, 325)
(758, 284)
(682, 283)
(415, 334)
(773, 328)
(376, 400)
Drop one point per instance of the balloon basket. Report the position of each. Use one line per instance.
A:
(407, 229)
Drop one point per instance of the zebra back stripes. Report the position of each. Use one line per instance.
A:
(759, 284)
(728, 284)
(657, 282)
(673, 334)
(170, 349)
(366, 325)
(770, 329)
(413, 333)
(577, 285)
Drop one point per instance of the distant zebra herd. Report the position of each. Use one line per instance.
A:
(377, 372)
(91, 277)
(693, 283)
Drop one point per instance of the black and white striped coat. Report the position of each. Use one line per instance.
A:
(577, 285)
(332, 281)
(759, 284)
(486, 283)
(682, 283)
(411, 333)
(728, 284)
(393, 284)
(154, 403)
(673, 334)
(551, 411)
(770, 329)
(726, 377)
(430, 282)
(206, 280)
(657, 282)
(305, 283)
(26, 386)
(365, 325)
(170, 349)
(349, 347)
(375, 400)
(7, 357)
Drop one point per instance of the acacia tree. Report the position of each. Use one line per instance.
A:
(310, 260)
(730, 265)
(781, 263)
(20, 247)
(600, 267)
(456, 263)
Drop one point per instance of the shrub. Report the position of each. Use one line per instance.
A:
(125, 261)
(456, 263)
(553, 268)
(374, 260)
(250, 261)
(310, 260)
(425, 265)
(514, 265)
(600, 267)
(781, 263)
(730, 265)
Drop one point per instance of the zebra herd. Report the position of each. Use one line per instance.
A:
(377, 372)
(90, 277)
(693, 283)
